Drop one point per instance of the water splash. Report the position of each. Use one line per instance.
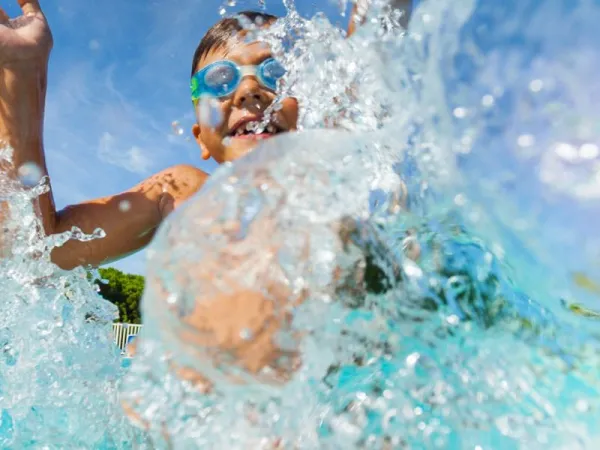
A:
(53, 394)
(366, 347)
(398, 316)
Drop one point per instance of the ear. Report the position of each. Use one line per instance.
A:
(197, 135)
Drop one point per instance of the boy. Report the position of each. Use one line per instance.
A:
(241, 77)
(25, 45)
(220, 69)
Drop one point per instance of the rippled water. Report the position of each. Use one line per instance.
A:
(431, 317)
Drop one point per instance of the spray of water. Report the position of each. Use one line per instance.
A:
(59, 368)
(340, 338)
(373, 315)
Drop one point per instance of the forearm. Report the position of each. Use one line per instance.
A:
(22, 100)
(128, 220)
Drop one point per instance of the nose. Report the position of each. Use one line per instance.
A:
(249, 94)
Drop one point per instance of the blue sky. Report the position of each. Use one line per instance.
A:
(118, 79)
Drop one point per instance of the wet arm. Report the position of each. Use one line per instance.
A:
(128, 219)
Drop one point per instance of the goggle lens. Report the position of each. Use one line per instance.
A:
(222, 78)
(271, 71)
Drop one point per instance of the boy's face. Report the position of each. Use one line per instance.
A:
(230, 140)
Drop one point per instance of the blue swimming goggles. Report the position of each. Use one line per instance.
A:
(222, 78)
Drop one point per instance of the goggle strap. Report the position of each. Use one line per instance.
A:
(247, 71)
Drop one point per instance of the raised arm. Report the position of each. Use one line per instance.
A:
(129, 219)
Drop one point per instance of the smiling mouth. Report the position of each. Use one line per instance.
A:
(254, 130)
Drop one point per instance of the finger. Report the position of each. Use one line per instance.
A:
(30, 6)
(4, 19)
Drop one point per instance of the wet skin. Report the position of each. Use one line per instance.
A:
(247, 103)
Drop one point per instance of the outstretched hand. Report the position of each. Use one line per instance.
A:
(26, 39)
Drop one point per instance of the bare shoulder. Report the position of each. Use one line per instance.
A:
(183, 176)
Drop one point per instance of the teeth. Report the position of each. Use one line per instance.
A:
(256, 128)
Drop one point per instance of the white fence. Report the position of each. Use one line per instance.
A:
(124, 332)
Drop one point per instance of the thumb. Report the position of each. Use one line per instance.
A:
(30, 7)
(166, 205)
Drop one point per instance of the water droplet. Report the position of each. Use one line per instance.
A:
(526, 140)
(124, 205)
(412, 359)
(582, 406)
(536, 85)
(460, 113)
(589, 151)
(487, 100)
(453, 319)
(222, 11)
(460, 200)
(44, 327)
(231, 3)
(246, 334)
(209, 113)
(177, 129)
(566, 151)
(30, 174)
(227, 141)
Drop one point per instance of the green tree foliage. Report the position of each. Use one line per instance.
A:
(124, 290)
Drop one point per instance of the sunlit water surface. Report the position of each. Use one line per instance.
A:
(487, 111)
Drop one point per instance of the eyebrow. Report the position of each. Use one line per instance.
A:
(264, 54)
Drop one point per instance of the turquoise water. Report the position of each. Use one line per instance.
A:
(489, 116)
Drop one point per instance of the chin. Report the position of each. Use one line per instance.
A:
(242, 146)
(237, 152)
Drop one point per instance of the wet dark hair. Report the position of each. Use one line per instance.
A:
(221, 32)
